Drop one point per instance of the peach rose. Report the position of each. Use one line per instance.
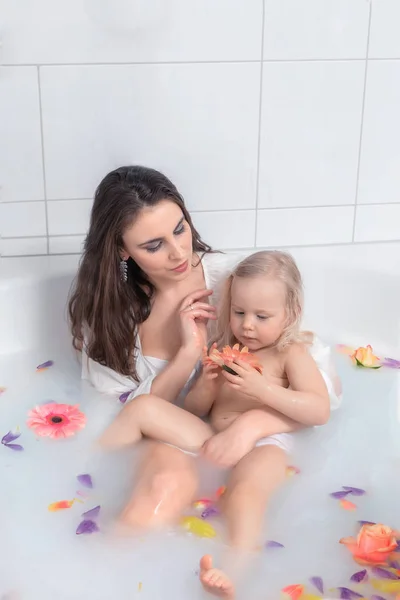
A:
(364, 357)
(373, 545)
(228, 354)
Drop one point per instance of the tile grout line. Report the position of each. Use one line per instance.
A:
(362, 125)
(259, 122)
(198, 62)
(247, 249)
(215, 210)
(43, 161)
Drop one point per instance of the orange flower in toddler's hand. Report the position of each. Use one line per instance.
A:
(229, 355)
(373, 545)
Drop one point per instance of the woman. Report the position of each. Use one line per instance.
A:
(139, 312)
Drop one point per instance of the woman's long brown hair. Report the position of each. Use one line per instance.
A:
(105, 311)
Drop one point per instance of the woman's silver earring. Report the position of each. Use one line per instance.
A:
(123, 266)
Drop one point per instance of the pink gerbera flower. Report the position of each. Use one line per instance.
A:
(56, 420)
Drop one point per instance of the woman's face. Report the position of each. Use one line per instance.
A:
(160, 242)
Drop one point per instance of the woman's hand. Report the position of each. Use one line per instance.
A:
(194, 316)
(210, 370)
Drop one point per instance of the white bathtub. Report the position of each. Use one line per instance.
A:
(352, 297)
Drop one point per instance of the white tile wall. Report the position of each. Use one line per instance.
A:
(310, 133)
(100, 31)
(380, 152)
(21, 168)
(23, 246)
(385, 38)
(277, 119)
(195, 121)
(305, 226)
(311, 29)
(68, 216)
(223, 229)
(377, 222)
(66, 244)
(20, 219)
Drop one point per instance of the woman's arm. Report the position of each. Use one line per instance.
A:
(193, 319)
(202, 396)
(170, 382)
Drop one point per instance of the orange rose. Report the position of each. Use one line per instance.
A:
(364, 357)
(373, 545)
(229, 354)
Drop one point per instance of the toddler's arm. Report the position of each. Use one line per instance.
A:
(306, 400)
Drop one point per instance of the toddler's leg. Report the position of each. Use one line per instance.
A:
(151, 416)
(249, 489)
(231, 445)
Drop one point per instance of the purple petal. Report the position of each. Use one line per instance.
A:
(338, 495)
(353, 490)
(10, 437)
(124, 397)
(85, 479)
(394, 564)
(391, 363)
(367, 523)
(377, 598)
(318, 583)
(359, 576)
(383, 573)
(272, 544)
(45, 365)
(15, 447)
(92, 513)
(210, 511)
(347, 594)
(87, 526)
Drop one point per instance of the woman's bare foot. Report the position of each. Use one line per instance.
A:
(214, 581)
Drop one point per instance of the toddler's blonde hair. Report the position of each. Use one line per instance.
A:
(275, 265)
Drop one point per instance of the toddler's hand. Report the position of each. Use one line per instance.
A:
(247, 379)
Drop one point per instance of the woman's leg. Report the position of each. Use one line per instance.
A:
(166, 484)
(249, 489)
(151, 416)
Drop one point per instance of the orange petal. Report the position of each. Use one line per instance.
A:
(347, 505)
(294, 592)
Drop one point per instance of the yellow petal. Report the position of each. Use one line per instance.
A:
(387, 587)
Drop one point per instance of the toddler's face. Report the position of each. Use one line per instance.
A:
(258, 311)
